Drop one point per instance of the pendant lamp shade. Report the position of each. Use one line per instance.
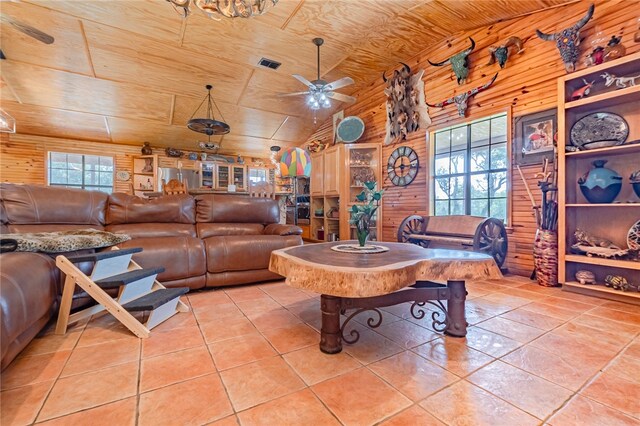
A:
(295, 162)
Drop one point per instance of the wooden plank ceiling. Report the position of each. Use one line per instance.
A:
(128, 71)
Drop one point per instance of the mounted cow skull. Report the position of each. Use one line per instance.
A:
(459, 63)
(568, 41)
(501, 53)
(462, 99)
(406, 107)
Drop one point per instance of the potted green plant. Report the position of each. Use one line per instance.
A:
(363, 212)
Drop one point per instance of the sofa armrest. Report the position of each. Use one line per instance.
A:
(278, 229)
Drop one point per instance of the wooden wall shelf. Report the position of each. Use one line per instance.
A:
(610, 221)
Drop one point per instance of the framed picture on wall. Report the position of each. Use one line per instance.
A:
(534, 137)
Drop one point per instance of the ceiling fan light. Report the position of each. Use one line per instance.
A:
(323, 97)
(7, 122)
(326, 103)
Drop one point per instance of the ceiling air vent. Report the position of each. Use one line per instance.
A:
(269, 63)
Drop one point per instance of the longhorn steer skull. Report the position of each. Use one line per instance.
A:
(459, 63)
(568, 41)
(462, 99)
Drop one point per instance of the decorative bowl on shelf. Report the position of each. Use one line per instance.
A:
(600, 185)
(599, 130)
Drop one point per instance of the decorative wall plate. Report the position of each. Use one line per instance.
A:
(402, 166)
(599, 130)
(633, 237)
(122, 175)
(350, 129)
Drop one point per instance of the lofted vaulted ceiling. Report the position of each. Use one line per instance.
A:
(128, 71)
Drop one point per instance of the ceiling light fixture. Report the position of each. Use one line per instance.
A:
(217, 9)
(209, 126)
(7, 122)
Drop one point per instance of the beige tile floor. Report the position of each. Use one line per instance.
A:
(248, 355)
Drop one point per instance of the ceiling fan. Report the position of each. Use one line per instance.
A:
(320, 91)
(27, 29)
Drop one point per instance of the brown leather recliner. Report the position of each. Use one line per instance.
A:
(207, 241)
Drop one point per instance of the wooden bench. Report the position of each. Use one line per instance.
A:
(480, 234)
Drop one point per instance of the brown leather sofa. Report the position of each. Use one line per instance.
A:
(204, 241)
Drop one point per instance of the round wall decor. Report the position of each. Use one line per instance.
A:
(122, 175)
(350, 129)
(402, 166)
(599, 130)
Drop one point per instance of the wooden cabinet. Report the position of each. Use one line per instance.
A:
(239, 178)
(612, 220)
(223, 176)
(145, 174)
(332, 170)
(317, 174)
(207, 174)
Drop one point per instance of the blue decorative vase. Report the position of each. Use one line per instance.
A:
(635, 182)
(600, 185)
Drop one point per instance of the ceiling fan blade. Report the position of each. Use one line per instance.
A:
(284, 95)
(28, 30)
(344, 81)
(340, 97)
(303, 80)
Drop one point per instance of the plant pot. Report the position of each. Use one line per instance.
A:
(545, 257)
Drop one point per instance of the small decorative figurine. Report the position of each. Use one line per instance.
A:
(585, 277)
(146, 149)
(620, 82)
(596, 57)
(459, 63)
(462, 99)
(501, 53)
(614, 49)
(617, 282)
(583, 91)
(568, 40)
(586, 239)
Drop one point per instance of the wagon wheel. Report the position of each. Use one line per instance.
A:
(413, 224)
(491, 239)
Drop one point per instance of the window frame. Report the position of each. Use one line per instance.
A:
(83, 186)
(465, 121)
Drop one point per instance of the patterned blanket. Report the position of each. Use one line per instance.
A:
(62, 241)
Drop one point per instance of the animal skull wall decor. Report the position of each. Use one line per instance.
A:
(501, 53)
(406, 107)
(459, 63)
(462, 99)
(568, 41)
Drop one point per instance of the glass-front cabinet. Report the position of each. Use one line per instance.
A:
(239, 178)
(207, 175)
(222, 177)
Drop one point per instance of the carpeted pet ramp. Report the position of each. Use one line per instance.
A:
(138, 290)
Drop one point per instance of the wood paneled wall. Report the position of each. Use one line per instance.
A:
(23, 157)
(526, 85)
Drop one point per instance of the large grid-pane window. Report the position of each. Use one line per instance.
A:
(470, 169)
(92, 172)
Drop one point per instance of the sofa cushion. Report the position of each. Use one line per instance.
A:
(221, 208)
(244, 252)
(27, 299)
(182, 257)
(124, 208)
(153, 230)
(30, 204)
(206, 230)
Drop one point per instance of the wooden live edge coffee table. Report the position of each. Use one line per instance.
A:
(367, 282)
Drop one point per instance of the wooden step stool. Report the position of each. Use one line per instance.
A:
(138, 290)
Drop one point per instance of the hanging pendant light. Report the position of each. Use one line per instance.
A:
(209, 126)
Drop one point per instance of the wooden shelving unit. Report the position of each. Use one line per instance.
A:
(611, 221)
(145, 174)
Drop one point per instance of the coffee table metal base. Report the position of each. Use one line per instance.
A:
(449, 318)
